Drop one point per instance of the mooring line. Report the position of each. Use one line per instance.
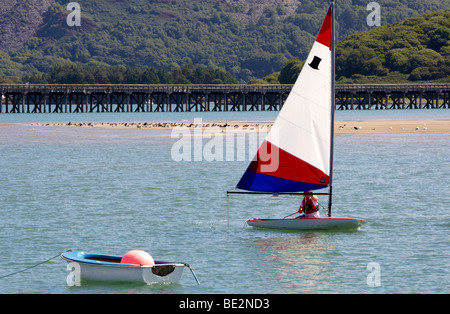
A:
(23, 270)
(192, 271)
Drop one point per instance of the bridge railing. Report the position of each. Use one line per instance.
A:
(208, 87)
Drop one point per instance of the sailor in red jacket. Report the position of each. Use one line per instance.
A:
(309, 205)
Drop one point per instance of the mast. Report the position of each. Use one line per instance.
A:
(333, 103)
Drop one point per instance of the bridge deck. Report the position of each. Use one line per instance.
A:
(41, 98)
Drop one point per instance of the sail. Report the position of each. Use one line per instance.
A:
(296, 154)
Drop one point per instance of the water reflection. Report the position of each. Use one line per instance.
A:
(296, 263)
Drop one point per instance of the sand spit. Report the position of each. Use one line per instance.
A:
(341, 127)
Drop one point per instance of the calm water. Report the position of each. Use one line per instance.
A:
(110, 191)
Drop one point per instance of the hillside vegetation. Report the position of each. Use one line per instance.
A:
(417, 49)
(75, 73)
(247, 38)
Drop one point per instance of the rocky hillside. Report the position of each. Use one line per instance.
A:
(20, 20)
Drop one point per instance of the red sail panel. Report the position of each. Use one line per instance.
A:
(283, 165)
(324, 36)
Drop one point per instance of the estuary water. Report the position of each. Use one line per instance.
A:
(106, 190)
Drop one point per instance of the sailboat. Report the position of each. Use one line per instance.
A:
(297, 154)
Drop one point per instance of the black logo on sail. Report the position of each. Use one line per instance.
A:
(315, 63)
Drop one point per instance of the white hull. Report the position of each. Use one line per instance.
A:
(141, 274)
(98, 270)
(322, 223)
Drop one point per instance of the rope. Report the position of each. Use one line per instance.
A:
(323, 207)
(23, 270)
(192, 271)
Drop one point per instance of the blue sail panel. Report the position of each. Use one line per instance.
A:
(252, 181)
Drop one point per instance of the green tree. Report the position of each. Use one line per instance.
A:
(290, 71)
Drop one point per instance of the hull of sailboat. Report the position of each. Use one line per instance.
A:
(322, 223)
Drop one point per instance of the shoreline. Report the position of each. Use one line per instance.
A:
(356, 127)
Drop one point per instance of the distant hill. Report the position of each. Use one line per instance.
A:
(248, 38)
(415, 50)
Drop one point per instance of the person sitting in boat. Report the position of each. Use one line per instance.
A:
(309, 206)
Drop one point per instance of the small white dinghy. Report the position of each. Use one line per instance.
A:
(108, 268)
(297, 154)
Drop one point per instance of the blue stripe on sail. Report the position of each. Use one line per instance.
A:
(263, 183)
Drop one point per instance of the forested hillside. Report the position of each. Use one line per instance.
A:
(247, 38)
(417, 49)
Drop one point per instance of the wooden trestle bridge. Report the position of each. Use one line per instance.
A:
(62, 98)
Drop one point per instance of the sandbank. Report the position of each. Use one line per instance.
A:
(392, 127)
(357, 127)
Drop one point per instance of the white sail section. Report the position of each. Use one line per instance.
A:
(304, 123)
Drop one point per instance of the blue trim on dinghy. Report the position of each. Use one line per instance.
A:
(90, 258)
(95, 259)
